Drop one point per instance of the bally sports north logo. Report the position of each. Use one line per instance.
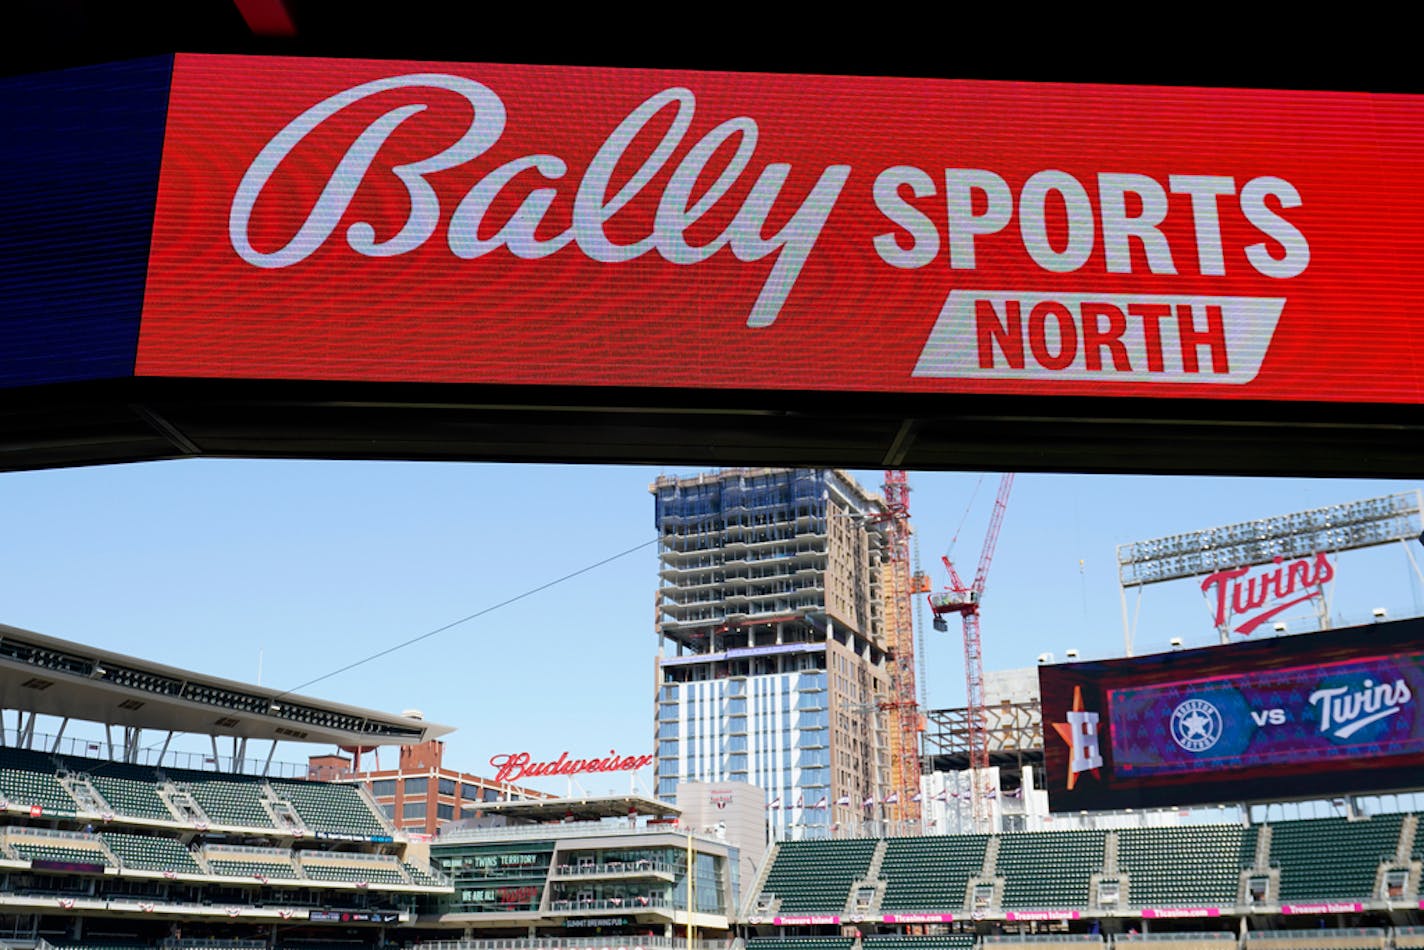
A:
(717, 192)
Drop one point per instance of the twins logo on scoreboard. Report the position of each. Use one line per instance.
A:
(1341, 711)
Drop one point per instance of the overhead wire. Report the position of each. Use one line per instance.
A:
(954, 539)
(466, 619)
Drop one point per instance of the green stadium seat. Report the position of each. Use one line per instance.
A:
(1332, 858)
(932, 873)
(151, 853)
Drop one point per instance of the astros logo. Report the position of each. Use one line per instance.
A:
(1196, 725)
(1081, 734)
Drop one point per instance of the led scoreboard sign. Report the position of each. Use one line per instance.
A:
(510, 224)
(372, 221)
(1319, 714)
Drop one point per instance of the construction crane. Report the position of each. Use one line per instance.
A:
(964, 599)
(899, 585)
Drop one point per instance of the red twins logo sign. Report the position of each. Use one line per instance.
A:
(1249, 601)
(537, 225)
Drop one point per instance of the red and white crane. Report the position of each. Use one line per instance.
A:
(964, 599)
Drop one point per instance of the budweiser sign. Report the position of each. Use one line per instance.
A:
(1239, 594)
(332, 219)
(519, 765)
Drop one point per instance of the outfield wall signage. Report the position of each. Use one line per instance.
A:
(536, 225)
(1335, 713)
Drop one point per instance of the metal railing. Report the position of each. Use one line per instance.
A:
(173, 758)
(624, 904)
(1190, 935)
(341, 857)
(1043, 938)
(45, 834)
(578, 829)
(613, 867)
(582, 943)
(1373, 933)
(275, 854)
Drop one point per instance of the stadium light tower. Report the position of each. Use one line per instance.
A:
(1369, 522)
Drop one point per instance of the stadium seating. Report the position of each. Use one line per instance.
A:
(228, 801)
(1049, 870)
(930, 873)
(270, 863)
(135, 798)
(339, 809)
(1249, 839)
(817, 875)
(1187, 865)
(34, 850)
(934, 942)
(420, 876)
(28, 778)
(800, 943)
(1322, 858)
(151, 853)
(1194, 864)
(369, 872)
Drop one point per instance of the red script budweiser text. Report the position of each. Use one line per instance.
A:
(517, 765)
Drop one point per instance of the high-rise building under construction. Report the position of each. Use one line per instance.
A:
(772, 665)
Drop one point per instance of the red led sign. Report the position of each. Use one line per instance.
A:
(519, 765)
(358, 220)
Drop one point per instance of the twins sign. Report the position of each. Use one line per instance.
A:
(396, 221)
(1249, 597)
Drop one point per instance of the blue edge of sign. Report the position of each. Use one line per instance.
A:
(80, 156)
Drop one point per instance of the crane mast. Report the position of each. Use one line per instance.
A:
(965, 600)
(899, 584)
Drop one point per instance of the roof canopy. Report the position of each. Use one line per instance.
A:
(585, 808)
(61, 678)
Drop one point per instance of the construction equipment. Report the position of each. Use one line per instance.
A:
(899, 585)
(964, 599)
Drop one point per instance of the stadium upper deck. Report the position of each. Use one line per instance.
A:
(49, 676)
(145, 850)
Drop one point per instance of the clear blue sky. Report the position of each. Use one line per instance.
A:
(213, 564)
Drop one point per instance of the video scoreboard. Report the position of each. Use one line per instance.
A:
(1289, 717)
